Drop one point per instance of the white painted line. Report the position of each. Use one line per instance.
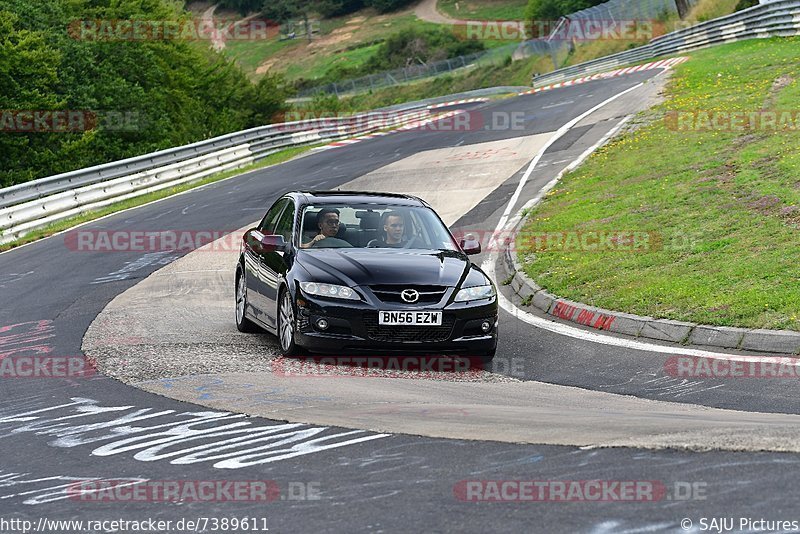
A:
(559, 104)
(556, 136)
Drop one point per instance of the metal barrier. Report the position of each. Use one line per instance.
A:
(38, 203)
(32, 205)
(611, 12)
(777, 18)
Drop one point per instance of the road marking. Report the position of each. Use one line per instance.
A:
(559, 104)
(556, 136)
(126, 272)
(226, 440)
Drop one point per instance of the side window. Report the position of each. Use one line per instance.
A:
(271, 218)
(286, 223)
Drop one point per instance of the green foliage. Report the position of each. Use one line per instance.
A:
(385, 6)
(242, 6)
(408, 47)
(283, 10)
(168, 92)
(413, 46)
(551, 10)
(744, 4)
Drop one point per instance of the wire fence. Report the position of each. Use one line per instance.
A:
(560, 42)
(411, 73)
(555, 45)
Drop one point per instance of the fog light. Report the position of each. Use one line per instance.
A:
(322, 324)
(486, 326)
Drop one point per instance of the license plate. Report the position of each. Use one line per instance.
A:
(413, 318)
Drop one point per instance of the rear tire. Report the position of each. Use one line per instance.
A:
(243, 324)
(287, 324)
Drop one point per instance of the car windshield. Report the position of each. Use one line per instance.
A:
(373, 226)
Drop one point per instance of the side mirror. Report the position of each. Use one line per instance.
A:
(273, 243)
(470, 245)
(261, 243)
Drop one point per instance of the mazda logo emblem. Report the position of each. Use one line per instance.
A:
(409, 295)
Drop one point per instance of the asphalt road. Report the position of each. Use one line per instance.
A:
(383, 482)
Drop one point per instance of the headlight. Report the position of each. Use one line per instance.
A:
(329, 290)
(475, 293)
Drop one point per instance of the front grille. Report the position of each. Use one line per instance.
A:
(408, 333)
(427, 294)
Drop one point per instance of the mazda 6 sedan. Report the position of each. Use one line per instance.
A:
(342, 272)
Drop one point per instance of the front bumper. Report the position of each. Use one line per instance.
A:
(352, 327)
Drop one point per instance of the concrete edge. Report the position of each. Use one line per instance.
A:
(686, 333)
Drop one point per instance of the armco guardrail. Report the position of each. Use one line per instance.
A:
(36, 204)
(777, 18)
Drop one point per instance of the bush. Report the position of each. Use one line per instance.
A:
(744, 4)
(385, 6)
(552, 10)
(414, 47)
(168, 93)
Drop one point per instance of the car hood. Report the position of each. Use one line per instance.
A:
(355, 267)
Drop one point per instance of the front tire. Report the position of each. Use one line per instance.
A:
(287, 324)
(487, 357)
(243, 324)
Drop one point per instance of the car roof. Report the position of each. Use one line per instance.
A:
(356, 197)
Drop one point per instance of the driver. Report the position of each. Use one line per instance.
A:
(328, 224)
(394, 231)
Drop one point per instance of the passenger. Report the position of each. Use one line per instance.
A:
(394, 232)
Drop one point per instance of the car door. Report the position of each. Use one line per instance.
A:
(253, 258)
(275, 264)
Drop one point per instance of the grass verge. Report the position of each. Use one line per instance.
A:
(517, 73)
(722, 207)
(483, 9)
(60, 226)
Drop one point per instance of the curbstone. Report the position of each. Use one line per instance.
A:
(667, 330)
(526, 291)
(628, 324)
(544, 301)
(781, 341)
(582, 314)
(516, 283)
(717, 336)
(724, 337)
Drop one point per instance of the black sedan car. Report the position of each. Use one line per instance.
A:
(341, 272)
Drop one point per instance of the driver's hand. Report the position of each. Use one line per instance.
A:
(319, 237)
